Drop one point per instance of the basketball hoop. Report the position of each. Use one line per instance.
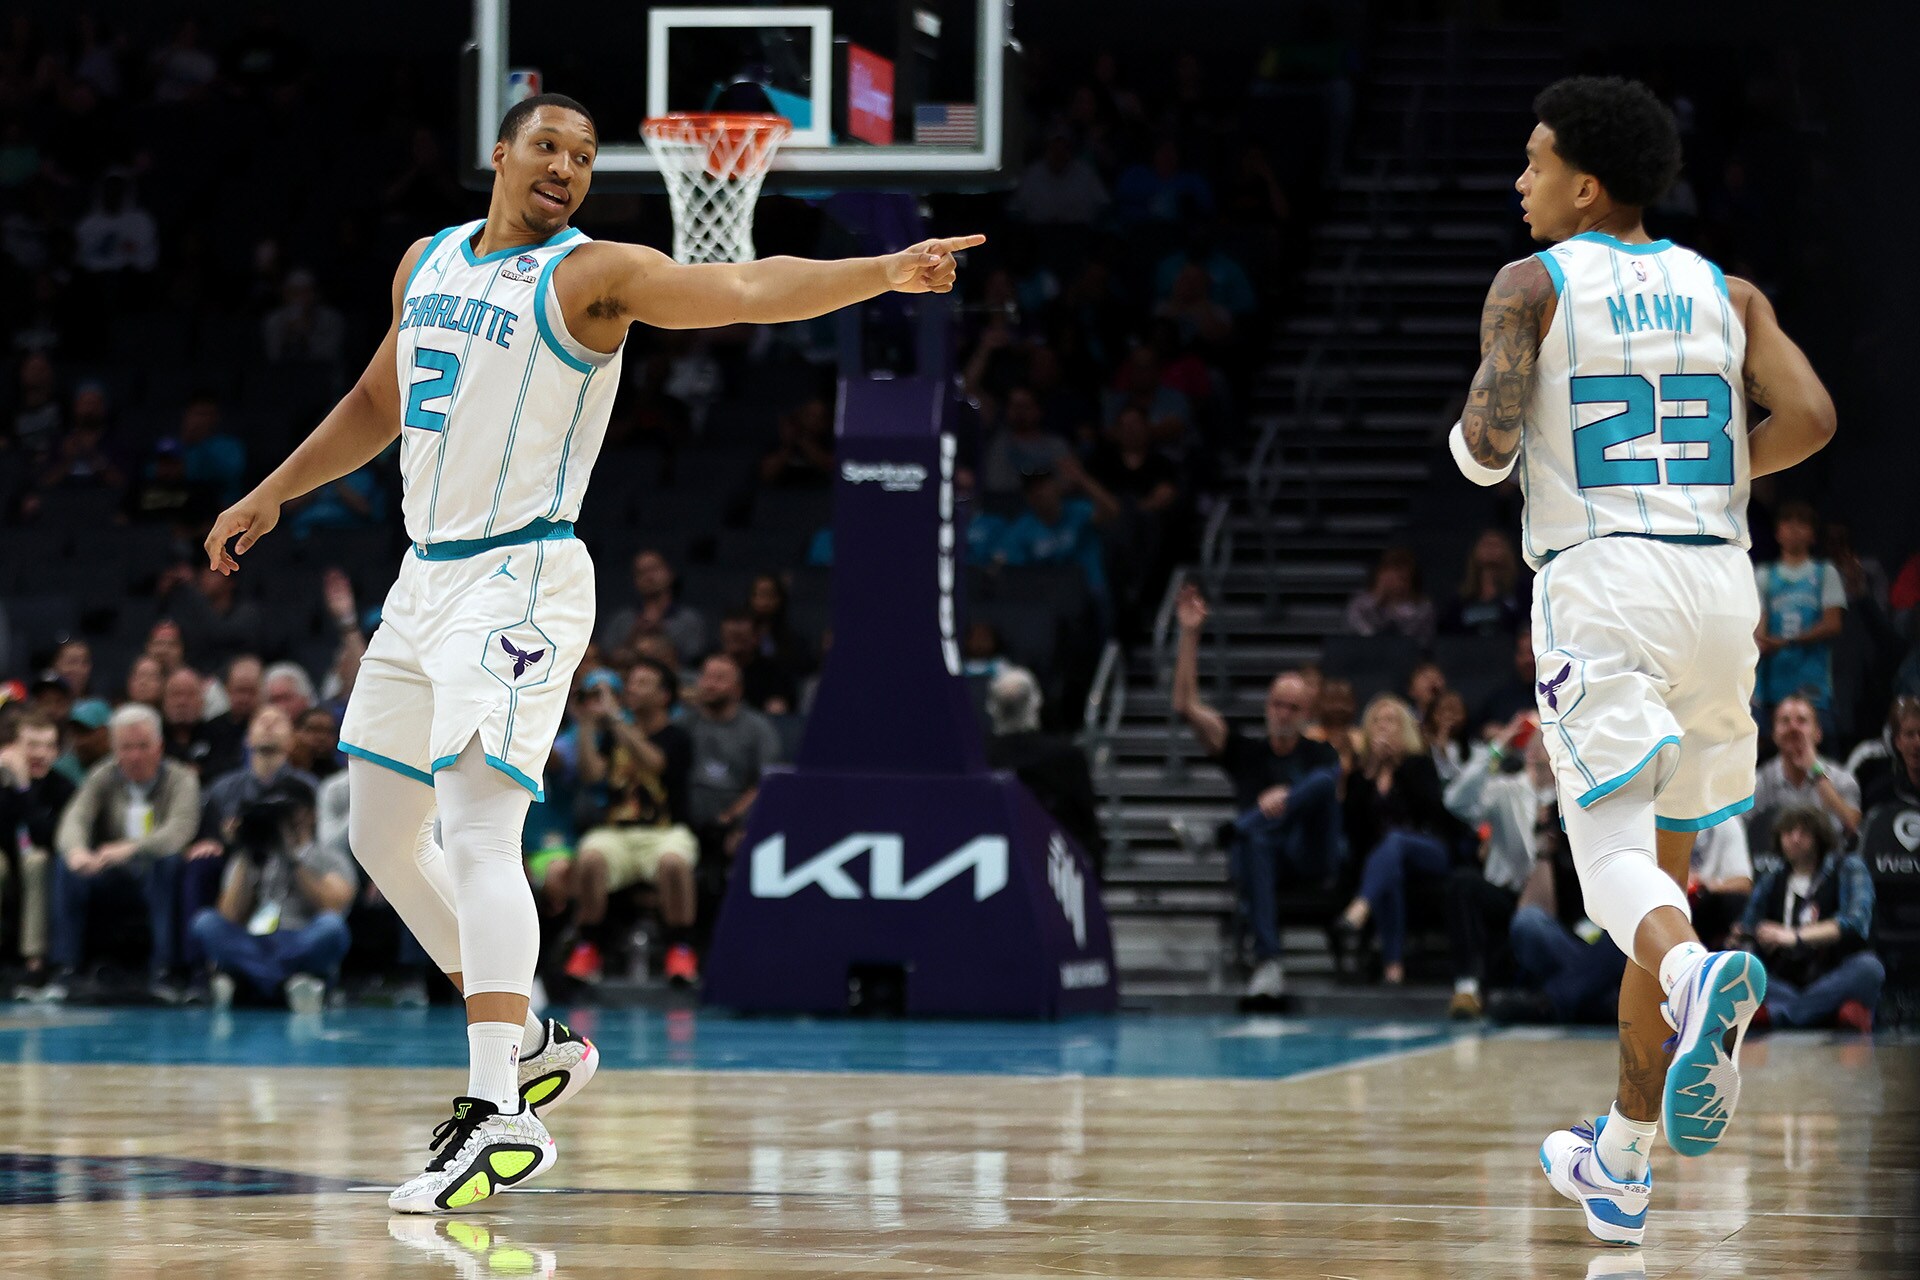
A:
(713, 163)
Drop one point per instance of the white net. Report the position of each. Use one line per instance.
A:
(713, 165)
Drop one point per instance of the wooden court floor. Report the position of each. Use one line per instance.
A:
(1419, 1162)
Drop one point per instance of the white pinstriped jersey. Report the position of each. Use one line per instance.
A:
(1638, 421)
(502, 412)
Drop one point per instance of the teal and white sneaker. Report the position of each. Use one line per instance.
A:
(478, 1152)
(1616, 1211)
(1709, 1010)
(560, 1070)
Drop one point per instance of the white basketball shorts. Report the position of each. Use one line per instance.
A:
(485, 644)
(1645, 659)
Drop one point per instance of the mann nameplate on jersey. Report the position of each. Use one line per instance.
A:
(889, 846)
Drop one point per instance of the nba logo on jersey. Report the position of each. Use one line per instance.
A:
(1639, 270)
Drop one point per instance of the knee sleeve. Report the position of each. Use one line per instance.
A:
(390, 830)
(1620, 874)
(482, 813)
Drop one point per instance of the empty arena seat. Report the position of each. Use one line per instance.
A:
(804, 510)
(1374, 664)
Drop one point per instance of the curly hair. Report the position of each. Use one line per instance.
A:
(1617, 131)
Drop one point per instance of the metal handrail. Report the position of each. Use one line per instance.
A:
(1106, 707)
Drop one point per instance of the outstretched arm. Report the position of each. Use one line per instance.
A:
(1208, 725)
(605, 286)
(1800, 418)
(364, 422)
(1516, 314)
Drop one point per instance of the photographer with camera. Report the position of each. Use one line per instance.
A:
(280, 923)
(268, 764)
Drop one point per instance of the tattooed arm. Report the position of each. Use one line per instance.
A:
(1800, 418)
(1518, 309)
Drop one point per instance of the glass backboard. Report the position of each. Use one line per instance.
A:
(900, 94)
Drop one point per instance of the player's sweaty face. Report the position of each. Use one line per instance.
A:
(1547, 187)
(549, 166)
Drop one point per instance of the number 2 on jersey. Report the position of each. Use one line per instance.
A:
(445, 366)
(1637, 419)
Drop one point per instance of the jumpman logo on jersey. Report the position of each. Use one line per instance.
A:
(522, 659)
(1550, 690)
(501, 572)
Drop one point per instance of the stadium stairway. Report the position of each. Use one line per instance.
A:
(1350, 414)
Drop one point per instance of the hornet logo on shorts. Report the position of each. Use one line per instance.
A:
(1550, 690)
(522, 658)
(523, 269)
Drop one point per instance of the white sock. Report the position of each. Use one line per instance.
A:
(534, 1039)
(1626, 1146)
(493, 1071)
(1466, 986)
(1676, 964)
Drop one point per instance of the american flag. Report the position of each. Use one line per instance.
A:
(946, 124)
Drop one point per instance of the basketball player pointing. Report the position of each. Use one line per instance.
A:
(498, 373)
(1616, 373)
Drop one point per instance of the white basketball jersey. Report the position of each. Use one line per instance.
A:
(502, 412)
(1638, 422)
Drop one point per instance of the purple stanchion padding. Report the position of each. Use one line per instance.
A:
(890, 845)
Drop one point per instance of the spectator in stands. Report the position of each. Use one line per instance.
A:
(1227, 282)
(1284, 790)
(1162, 190)
(656, 611)
(49, 695)
(73, 663)
(1396, 820)
(802, 456)
(32, 797)
(126, 827)
(1060, 188)
(1392, 603)
(167, 646)
(1719, 879)
(1800, 775)
(90, 741)
(1515, 694)
(183, 70)
(1445, 729)
(82, 457)
(316, 743)
(732, 746)
(643, 760)
(1145, 486)
(287, 686)
(1802, 610)
(1053, 768)
(1022, 448)
(226, 796)
(1569, 968)
(1335, 708)
(303, 328)
(778, 641)
(280, 924)
(116, 238)
(1426, 683)
(183, 705)
(146, 681)
(228, 730)
(766, 685)
(1490, 602)
(1507, 804)
(35, 420)
(356, 500)
(161, 492)
(215, 459)
(1059, 529)
(1809, 920)
(215, 625)
(1140, 385)
(1895, 779)
(981, 653)
(1200, 320)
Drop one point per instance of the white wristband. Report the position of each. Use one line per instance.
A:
(1470, 467)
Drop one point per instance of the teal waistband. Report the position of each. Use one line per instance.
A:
(537, 531)
(1679, 539)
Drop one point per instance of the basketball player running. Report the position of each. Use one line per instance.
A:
(1616, 372)
(497, 373)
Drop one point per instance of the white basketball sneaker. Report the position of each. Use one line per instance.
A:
(475, 1249)
(1711, 1004)
(477, 1152)
(561, 1068)
(1616, 1211)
